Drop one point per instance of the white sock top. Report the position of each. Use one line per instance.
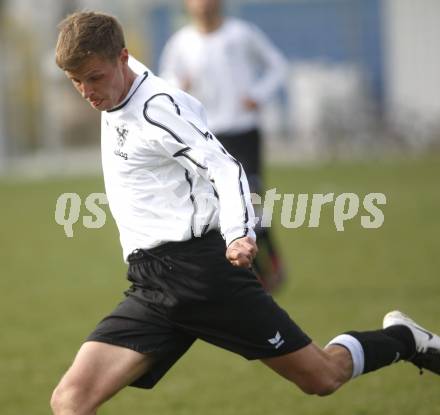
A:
(356, 350)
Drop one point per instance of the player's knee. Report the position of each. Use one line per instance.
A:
(63, 399)
(325, 389)
(70, 398)
(57, 401)
(321, 386)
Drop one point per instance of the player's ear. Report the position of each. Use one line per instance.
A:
(123, 56)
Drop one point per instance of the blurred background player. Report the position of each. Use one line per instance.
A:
(232, 68)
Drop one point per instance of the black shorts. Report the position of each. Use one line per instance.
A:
(246, 148)
(183, 291)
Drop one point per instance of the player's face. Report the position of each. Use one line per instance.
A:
(102, 82)
(203, 9)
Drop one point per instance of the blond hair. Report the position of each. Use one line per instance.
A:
(85, 34)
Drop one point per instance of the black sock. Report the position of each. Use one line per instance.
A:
(405, 336)
(386, 346)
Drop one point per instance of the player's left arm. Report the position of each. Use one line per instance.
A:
(186, 140)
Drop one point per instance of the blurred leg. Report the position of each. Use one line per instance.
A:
(268, 265)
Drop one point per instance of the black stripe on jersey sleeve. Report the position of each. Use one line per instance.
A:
(183, 152)
(214, 188)
(158, 124)
(207, 135)
(191, 196)
(243, 201)
(240, 184)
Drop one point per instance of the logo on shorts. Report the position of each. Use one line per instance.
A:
(276, 341)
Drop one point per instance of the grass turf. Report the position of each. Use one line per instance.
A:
(54, 289)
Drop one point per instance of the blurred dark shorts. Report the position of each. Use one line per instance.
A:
(183, 291)
(246, 147)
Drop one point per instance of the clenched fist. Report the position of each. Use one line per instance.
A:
(241, 252)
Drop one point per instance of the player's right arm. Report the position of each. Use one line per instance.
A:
(241, 252)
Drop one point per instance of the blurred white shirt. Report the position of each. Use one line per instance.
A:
(222, 68)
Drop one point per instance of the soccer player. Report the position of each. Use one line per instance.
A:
(182, 206)
(232, 68)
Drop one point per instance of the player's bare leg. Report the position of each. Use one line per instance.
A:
(313, 370)
(352, 354)
(98, 372)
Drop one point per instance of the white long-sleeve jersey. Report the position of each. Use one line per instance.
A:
(222, 68)
(167, 177)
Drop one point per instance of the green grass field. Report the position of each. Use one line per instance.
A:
(54, 289)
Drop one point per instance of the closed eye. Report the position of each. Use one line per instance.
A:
(95, 78)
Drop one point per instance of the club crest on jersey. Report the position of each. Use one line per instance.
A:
(122, 135)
